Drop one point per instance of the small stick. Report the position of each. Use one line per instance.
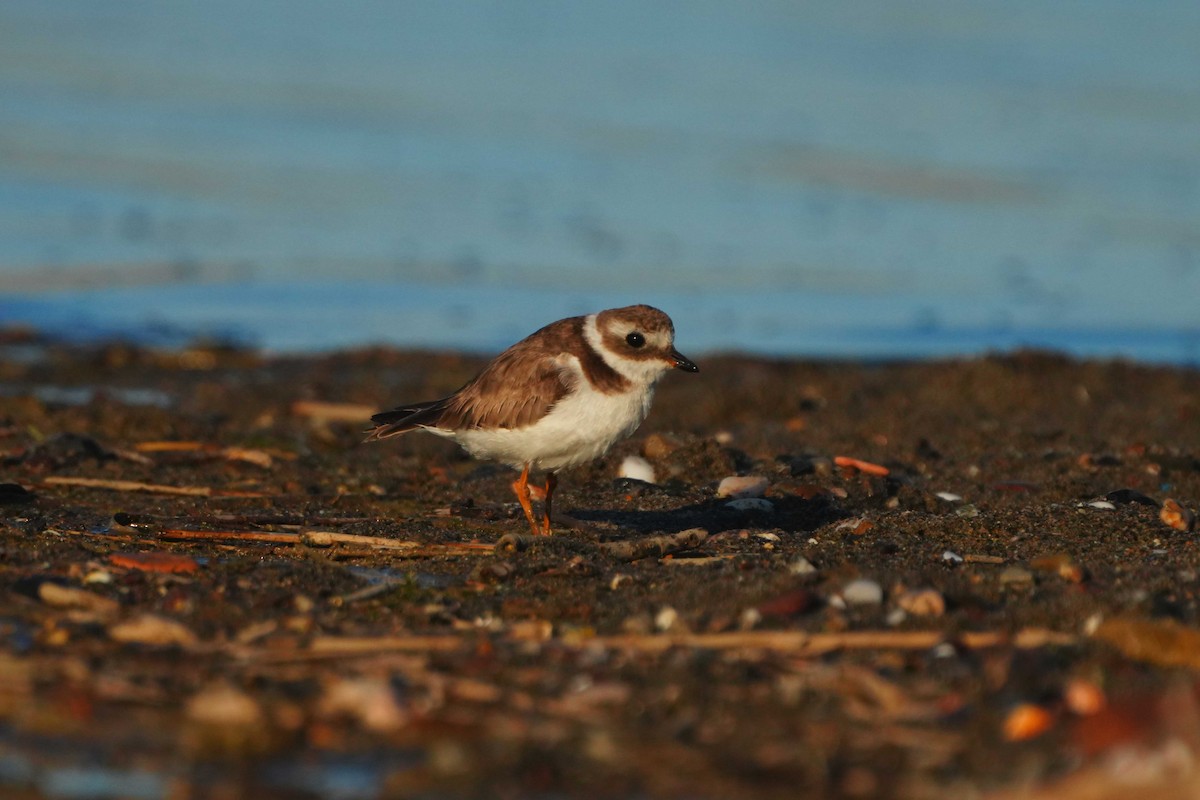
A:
(329, 539)
(862, 466)
(792, 642)
(128, 486)
(657, 546)
(972, 558)
(818, 643)
(333, 412)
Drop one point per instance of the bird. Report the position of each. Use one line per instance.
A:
(558, 398)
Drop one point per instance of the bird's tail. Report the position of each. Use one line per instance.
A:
(406, 418)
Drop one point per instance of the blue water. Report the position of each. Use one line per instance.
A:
(821, 178)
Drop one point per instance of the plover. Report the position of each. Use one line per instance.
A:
(556, 399)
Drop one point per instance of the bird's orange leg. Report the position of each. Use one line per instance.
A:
(521, 487)
(551, 485)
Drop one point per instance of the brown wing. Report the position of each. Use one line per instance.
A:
(515, 390)
(518, 388)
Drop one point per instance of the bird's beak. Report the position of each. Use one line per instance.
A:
(680, 361)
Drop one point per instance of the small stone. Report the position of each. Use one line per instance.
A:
(857, 526)
(943, 650)
(369, 700)
(749, 619)
(617, 580)
(153, 630)
(1061, 564)
(1102, 505)
(923, 603)
(53, 594)
(636, 468)
(862, 592)
(788, 604)
(801, 566)
(757, 504)
(1083, 697)
(666, 619)
(225, 721)
(1016, 577)
(742, 486)
(767, 536)
(723, 438)
(659, 445)
(951, 557)
(1177, 516)
(968, 511)
(1027, 721)
(949, 497)
(896, 617)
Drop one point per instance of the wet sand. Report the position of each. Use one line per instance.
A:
(213, 589)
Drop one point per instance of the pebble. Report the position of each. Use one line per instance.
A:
(742, 486)
(1061, 564)
(223, 705)
(659, 445)
(767, 536)
(801, 566)
(967, 512)
(862, 592)
(1016, 576)
(666, 618)
(370, 700)
(1084, 697)
(1027, 721)
(751, 504)
(637, 468)
(1177, 516)
(949, 497)
(53, 594)
(788, 604)
(923, 602)
(951, 557)
(151, 629)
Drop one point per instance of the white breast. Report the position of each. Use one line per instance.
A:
(580, 428)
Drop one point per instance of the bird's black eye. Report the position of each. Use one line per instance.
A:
(635, 339)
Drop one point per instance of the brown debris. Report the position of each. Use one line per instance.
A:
(1177, 516)
(1162, 642)
(865, 467)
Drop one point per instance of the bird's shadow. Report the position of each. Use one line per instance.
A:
(789, 514)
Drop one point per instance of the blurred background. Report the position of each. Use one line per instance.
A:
(866, 179)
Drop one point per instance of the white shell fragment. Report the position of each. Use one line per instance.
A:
(951, 557)
(666, 619)
(949, 497)
(751, 504)
(801, 566)
(1103, 505)
(742, 486)
(637, 468)
(862, 592)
